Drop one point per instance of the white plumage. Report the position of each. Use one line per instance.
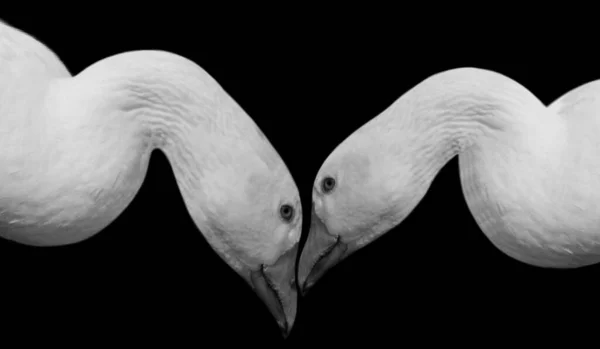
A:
(74, 151)
(530, 173)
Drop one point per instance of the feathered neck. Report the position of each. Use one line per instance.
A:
(463, 109)
(75, 149)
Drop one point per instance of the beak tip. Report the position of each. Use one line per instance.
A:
(285, 328)
(303, 278)
(305, 288)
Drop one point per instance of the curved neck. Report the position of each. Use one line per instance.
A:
(460, 109)
(170, 103)
(497, 124)
(101, 125)
(75, 150)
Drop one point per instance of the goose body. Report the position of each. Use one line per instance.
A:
(530, 173)
(74, 151)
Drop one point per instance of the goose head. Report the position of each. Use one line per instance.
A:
(253, 217)
(356, 196)
(74, 151)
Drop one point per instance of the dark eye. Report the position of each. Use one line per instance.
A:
(328, 184)
(286, 212)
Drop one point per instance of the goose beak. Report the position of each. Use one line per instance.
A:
(321, 252)
(276, 285)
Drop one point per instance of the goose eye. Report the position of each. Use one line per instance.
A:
(286, 212)
(328, 184)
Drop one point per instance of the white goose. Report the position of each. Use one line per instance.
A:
(530, 173)
(74, 152)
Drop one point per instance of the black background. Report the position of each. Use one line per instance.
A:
(308, 84)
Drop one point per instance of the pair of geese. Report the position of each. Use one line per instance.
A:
(74, 151)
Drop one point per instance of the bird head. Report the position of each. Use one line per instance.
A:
(252, 216)
(362, 190)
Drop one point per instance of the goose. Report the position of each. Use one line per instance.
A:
(530, 173)
(74, 151)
